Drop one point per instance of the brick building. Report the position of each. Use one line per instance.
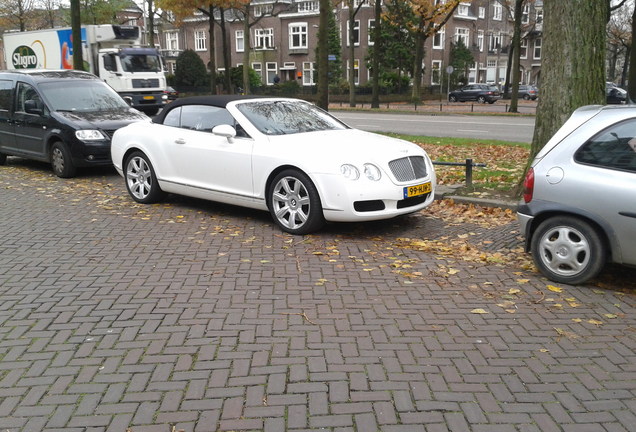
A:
(284, 39)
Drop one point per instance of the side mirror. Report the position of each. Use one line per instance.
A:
(128, 100)
(224, 130)
(33, 107)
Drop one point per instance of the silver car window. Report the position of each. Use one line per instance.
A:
(614, 148)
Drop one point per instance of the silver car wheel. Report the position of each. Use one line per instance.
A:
(564, 250)
(291, 203)
(57, 160)
(139, 178)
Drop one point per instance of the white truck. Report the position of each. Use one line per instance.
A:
(111, 52)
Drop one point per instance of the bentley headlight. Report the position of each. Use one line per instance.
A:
(89, 135)
(372, 172)
(350, 172)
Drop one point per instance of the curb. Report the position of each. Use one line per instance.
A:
(447, 192)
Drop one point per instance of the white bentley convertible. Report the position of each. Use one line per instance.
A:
(282, 155)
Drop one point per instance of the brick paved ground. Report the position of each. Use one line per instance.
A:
(195, 316)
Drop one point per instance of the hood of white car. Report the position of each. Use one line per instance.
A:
(348, 145)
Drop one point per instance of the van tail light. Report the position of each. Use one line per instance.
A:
(528, 186)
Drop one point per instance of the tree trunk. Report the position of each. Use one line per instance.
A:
(351, 22)
(227, 82)
(322, 82)
(375, 61)
(246, 51)
(516, 53)
(631, 80)
(76, 25)
(212, 52)
(628, 54)
(151, 23)
(573, 64)
(416, 95)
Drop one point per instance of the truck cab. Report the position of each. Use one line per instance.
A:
(135, 73)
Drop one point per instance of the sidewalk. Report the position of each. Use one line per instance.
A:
(197, 317)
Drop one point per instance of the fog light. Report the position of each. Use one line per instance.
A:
(91, 157)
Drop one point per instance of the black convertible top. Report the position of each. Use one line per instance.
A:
(220, 101)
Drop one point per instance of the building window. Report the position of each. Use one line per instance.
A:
(172, 40)
(356, 33)
(436, 72)
(462, 34)
(356, 71)
(525, 14)
(371, 27)
(480, 40)
(463, 9)
(258, 68)
(264, 38)
(491, 63)
(261, 10)
(482, 12)
(497, 11)
(308, 73)
(171, 66)
(438, 39)
(200, 40)
(495, 42)
(271, 69)
(240, 41)
(297, 35)
(308, 6)
(537, 48)
(539, 16)
(523, 49)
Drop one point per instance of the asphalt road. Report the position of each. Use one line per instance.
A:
(516, 129)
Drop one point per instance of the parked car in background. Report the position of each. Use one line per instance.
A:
(481, 93)
(528, 92)
(579, 205)
(64, 117)
(171, 93)
(282, 155)
(615, 94)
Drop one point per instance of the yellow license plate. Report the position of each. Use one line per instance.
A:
(420, 189)
(149, 97)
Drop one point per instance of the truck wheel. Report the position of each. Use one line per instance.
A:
(61, 160)
(3, 159)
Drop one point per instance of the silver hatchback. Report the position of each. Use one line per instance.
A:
(579, 206)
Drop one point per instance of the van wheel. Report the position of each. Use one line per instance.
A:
(61, 160)
(3, 159)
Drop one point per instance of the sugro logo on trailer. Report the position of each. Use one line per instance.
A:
(24, 58)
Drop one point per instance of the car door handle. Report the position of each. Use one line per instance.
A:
(628, 214)
(180, 141)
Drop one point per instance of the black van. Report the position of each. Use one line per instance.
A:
(63, 117)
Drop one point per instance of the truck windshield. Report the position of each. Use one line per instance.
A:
(140, 63)
(82, 95)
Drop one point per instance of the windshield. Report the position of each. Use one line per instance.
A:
(288, 117)
(82, 95)
(140, 63)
